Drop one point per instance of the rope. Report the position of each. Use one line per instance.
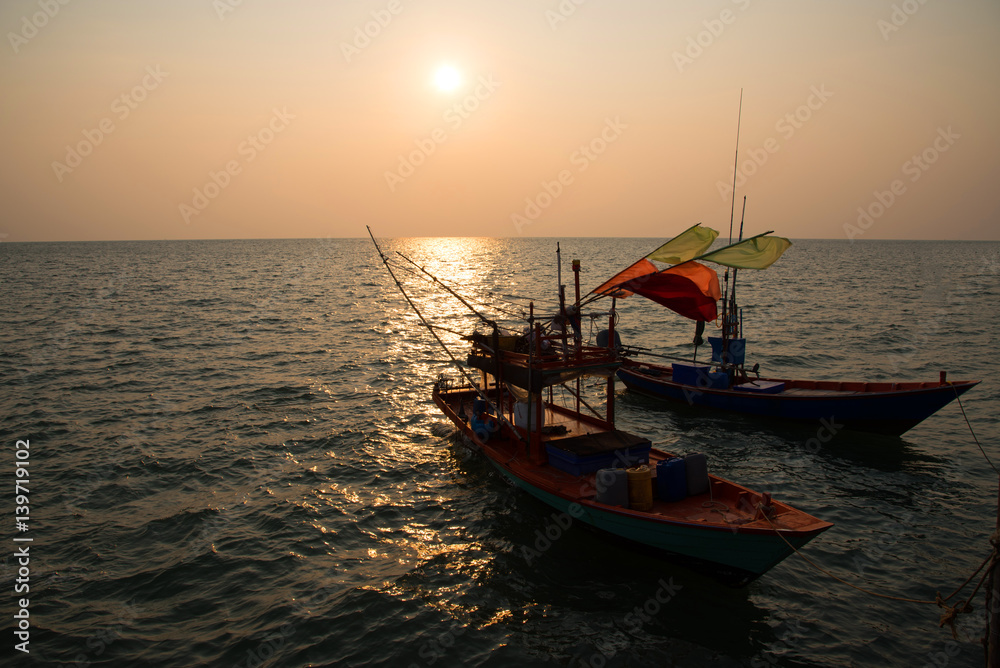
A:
(962, 606)
(828, 573)
(971, 431)
(950, 612)
(541, 304)
(413, 272)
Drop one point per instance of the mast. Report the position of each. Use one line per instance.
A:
(732, 330)
(732, 211)
(562, 303)
(736, 161)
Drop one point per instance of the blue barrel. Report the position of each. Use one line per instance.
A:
(671, 479)
(612, 487)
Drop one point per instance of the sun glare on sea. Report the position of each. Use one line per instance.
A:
(447, 78)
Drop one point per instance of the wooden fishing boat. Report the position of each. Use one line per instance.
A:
(879, 407)
(692, 290)
(527, 402)
(727, 530)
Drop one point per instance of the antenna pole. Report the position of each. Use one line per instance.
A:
(736, 162)
(732, 207)
(732, 295)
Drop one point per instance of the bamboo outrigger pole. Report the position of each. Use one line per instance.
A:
(480, 391)
(491, 323)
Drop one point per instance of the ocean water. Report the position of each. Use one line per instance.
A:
(235, 461)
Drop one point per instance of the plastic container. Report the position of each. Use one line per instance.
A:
(700, 376)
(671, 479)
(696, 466)
(612, 487)
(734, 352)
(640, 488)
(577, 464)
(521, 411)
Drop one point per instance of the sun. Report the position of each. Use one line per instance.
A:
(447, 78)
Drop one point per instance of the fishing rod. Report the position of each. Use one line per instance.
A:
(513, 304)
(638, 350)
(458, 365)
(491, 323)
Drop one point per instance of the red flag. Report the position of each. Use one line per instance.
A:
(640, 268)
(690, 289)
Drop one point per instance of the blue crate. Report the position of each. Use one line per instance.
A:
(575, 464)
(700, 376)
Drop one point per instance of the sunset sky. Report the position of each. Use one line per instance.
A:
(206, 119)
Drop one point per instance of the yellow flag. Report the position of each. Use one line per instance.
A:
(754, 253)
(687, 245)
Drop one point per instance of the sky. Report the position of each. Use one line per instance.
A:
(215, 119)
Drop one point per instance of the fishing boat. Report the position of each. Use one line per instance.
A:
(539, 403)
(691, 288)
(890, 408)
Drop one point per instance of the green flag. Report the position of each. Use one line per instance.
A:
(755, 253)
(687, 245)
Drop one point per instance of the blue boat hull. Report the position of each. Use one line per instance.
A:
(890, 412)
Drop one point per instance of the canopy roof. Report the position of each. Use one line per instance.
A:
(690, 288)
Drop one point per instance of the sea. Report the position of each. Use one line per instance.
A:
(228, 456)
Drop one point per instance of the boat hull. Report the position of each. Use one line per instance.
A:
(736, 559)
(884, 408)
(734, 553)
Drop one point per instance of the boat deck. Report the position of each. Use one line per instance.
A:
(809, 388)
(803, 392)
(728, 505)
